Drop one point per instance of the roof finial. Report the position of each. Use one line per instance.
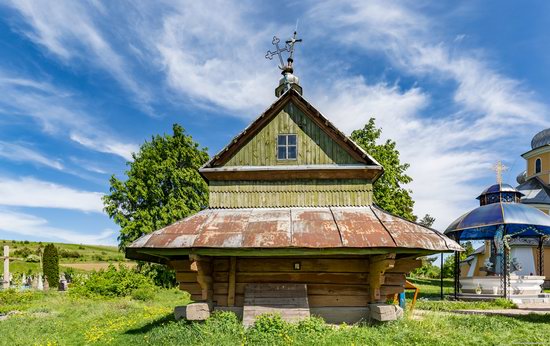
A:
(499, 168)
(288, 81)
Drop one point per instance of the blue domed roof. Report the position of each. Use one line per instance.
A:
(498, 188)
(482, 222)
(541, 139)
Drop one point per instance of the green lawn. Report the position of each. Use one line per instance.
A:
(55, 318)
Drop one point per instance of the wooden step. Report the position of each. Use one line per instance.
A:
(288, 300)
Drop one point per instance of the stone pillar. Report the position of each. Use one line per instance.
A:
(6, 280)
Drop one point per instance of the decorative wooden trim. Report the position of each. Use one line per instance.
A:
(231, 281)
(364, 172)
(378, 265)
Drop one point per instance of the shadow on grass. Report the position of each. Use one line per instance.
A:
(152, 325)
(532, 318)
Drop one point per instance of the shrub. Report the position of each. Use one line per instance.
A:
(50, 264)
(32, 258)
(80, 247)
(22, 252)
(111, 282)
(160, 274)
(269, 328)
(69, 254)
(12, 299)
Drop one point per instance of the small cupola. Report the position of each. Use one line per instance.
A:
(289, 80)
(499, 193)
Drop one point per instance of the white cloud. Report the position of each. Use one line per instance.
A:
(19, 153)
(58, 114)
(68, 29)
(105, 145)
(448, 153)
(206, 54)
(30, 192)
(30, 225)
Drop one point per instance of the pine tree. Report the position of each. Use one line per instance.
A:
(50, 264)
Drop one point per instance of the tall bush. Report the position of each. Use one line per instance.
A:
(50, 264)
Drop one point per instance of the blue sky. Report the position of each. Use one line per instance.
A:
(83, 84)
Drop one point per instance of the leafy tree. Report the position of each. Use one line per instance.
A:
(163, 185)
(389, 192)
(427, 220)
(449, 263)
(50, 264)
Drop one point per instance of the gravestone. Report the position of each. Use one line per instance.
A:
(46, 283)
(40, 285)
(63, 286)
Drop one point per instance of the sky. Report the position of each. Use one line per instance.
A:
(458, 86)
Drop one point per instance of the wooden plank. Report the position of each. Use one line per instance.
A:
(300, 277)
(337, 300)
(181, 265)
(186, 276)
(336, 289)
(220, 264)
(394, 279)
(192, 288)
(405, 266)
(306, 264)
(231, 283)
(263, 298)
(386, 290)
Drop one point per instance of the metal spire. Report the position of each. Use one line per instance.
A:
(499, 168)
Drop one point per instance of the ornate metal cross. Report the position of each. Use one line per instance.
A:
(289, 47)
(499, 168)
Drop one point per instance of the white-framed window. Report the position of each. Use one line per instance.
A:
(287, 147)
(538, 166)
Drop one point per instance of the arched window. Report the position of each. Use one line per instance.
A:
(538, 165)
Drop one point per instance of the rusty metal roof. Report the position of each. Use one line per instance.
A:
(295, 228)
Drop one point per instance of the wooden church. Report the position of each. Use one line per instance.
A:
(291, 226)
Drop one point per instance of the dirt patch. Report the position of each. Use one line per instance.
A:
(89, 266)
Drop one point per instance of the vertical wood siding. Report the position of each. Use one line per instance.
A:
(314, 145)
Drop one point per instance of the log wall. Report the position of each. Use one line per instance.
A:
(330, 281)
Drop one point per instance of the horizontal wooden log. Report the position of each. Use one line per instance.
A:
(301, 277)
(220, 264)
(186, 277)
(221, 299)
(306, 265)
(192, 288)
(321, 289)
(405, 266)
(386, 290)
(337, 289)
(337, 300)
(394, 279)
(181, 265)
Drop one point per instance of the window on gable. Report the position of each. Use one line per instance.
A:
(538, 165)
(286, 147)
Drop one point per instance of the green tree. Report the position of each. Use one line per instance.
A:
(50, 265)
(163, 185)
(389, 193)
(427, 220)
(449, 263)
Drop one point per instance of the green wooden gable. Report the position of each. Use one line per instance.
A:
(314, 145)
(329, 168)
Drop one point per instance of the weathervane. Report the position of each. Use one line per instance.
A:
(289, 47)
(499, 168)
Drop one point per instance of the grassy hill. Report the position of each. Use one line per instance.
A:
(77, 256)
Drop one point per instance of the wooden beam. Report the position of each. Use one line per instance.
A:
(203, 266)
(231, 281)
(377, 268)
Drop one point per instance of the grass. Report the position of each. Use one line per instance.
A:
(55, 318)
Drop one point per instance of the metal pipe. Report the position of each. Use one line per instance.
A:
(441, 275)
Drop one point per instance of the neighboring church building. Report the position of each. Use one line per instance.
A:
(534, 182)
(534, 185)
